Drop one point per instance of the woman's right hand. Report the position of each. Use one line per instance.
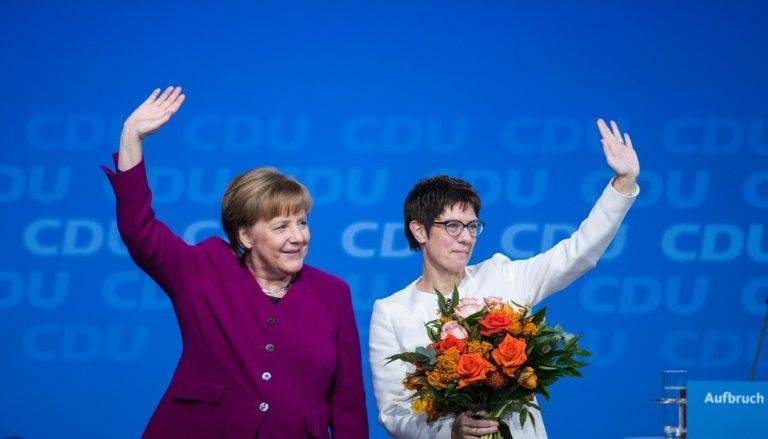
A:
(473, 425)
(152, 114)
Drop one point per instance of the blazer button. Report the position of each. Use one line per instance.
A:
(263, 406)
(266, 376)
(269, 348)
(271, 320)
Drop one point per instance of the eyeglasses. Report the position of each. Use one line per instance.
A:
(455, 227)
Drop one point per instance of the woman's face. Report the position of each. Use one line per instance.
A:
(278, 246)
(448, 253)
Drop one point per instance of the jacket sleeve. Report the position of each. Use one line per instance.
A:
(348, 415)
(162, 255)
(392, 398)
(558, 267)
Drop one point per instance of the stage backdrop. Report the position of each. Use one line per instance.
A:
(359, 100)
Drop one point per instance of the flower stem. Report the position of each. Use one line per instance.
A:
(496, 414)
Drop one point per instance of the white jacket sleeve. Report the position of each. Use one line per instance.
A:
(559, 266)
(392, 398)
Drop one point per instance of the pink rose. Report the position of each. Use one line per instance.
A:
(494, 302)
(453, 328)
(467, 307)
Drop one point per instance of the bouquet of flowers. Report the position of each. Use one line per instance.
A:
(488, 355)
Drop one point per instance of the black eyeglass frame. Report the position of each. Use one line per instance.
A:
(478, 229)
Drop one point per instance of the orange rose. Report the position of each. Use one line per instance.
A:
(472, 368)
(510, 354)
(450, 341)
(494, 322)
(527, 378)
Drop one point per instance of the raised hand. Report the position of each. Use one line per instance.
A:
(152, 114)
(620, 155)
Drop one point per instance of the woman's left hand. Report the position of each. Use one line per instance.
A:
(620, 155)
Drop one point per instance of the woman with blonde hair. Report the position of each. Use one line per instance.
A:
(270, 346)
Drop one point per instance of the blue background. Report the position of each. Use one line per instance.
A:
(359, 100)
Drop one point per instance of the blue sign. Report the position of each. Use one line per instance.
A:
(720, 409)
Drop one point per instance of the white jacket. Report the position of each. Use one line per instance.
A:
(397, 323)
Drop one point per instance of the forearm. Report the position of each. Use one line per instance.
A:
(559, 266)
(130, 152)
(159, 252)
(392, 398)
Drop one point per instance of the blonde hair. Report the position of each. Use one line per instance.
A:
(260, 194)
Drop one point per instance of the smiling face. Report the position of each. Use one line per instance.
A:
(442, 252)
(276, 248)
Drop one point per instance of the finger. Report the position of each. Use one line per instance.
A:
(628, 141)
(152, 96)
(164, 96)
(608, 149)
(176, 104)
(171, 98)
(478, 431)
(616, 132)
(604, 131)
(486, 423)
(481, 423)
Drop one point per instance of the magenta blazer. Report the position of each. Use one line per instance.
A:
(248, 368)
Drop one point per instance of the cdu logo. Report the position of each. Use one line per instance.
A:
(216, 132)
(688, 242)
(398, 134)
(715, 136)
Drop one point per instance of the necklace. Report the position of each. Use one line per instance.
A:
(271, 291)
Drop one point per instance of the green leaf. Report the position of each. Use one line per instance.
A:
(442, 304)
(571, 342)
(583, 353)
(454, 297)
(532, 404)
(432, 332)
(425, 356)
(543, 390)
(472, 318)
(504, 430)
(539, 316)
(517, 304)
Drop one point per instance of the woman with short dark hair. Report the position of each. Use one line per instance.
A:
(441, 221)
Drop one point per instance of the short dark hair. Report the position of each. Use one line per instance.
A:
(430, 197)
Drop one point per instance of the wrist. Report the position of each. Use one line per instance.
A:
(130, 132)
(624, 184)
